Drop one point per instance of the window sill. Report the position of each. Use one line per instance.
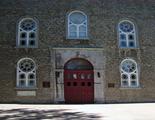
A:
(130, 88)
(127, 48)
(26, 88)
(68, 38)
(26, 47)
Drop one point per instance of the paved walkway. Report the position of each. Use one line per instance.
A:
(78, 112)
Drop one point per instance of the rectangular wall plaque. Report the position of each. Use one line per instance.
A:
(111, 85)
(46, 84)
(26, 93)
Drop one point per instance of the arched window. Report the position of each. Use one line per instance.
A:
(127, 34)
(27, 33)
(78, 64)
(77, 25)
(26, 73)
(129, 73)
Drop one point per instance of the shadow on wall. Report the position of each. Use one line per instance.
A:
(27, 114)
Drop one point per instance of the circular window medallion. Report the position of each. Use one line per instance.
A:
(77, 18)
(126, 26)
(28, 25)
(128, 66)
(26, 65)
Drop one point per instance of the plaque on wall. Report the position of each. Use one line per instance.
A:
(46, 84)
(111, 85)
(26, 93)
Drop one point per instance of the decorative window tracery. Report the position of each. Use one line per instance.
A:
(129, 73)
(127, 34)
(27, 33)
(26, 73)
(77, 25)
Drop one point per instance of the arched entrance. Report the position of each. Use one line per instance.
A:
(78, 81)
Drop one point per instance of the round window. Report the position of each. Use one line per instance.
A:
(26, 65)
(126, 26)
(77, 18)
(128, 66)
(28, 25)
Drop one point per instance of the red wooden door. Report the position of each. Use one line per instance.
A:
(79, 86)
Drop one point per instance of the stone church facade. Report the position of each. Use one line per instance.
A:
(77, 51)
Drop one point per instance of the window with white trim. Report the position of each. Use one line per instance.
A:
(129, 73)
(127, 34)
(77, 25)
(26, 73)
(27, 33)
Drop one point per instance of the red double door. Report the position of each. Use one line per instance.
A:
(79, 86)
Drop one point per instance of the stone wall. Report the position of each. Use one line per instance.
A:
(104, 15)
